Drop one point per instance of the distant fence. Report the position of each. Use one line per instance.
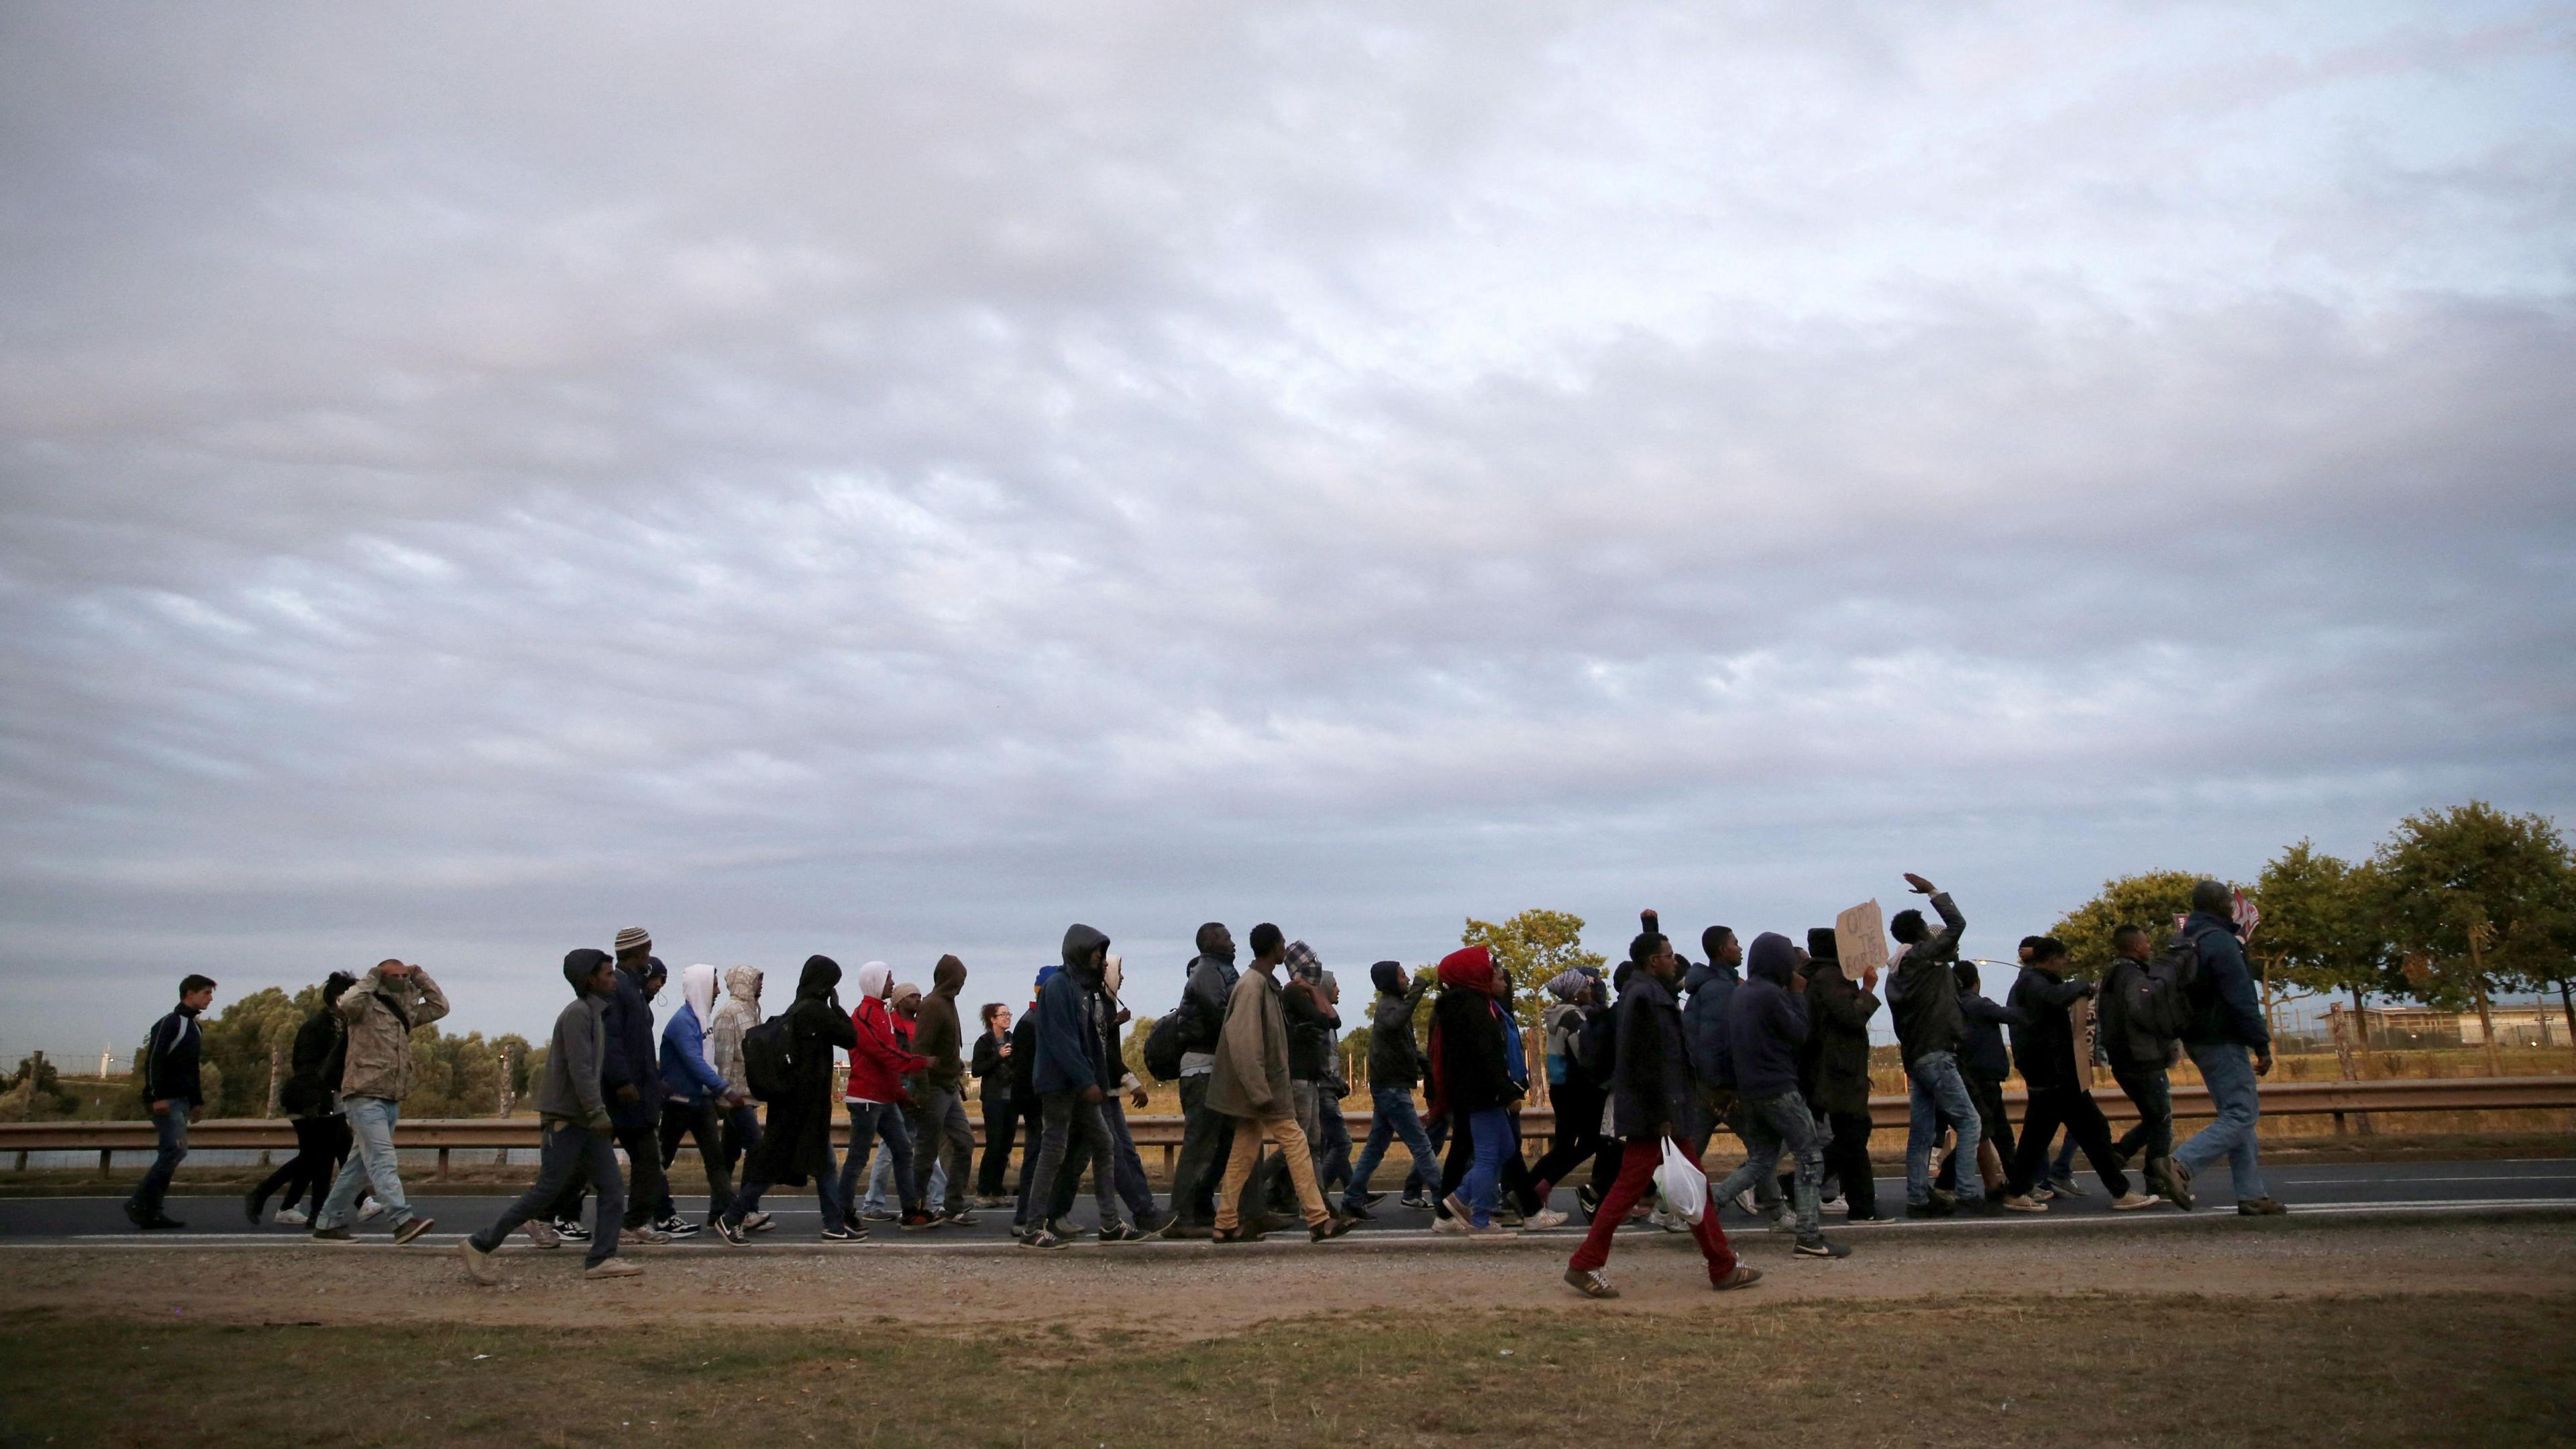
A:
(501, 1135)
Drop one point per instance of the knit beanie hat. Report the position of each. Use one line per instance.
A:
(632, 939)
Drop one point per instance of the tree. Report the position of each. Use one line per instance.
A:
(2150, 899)
(1534, 946)
(2478, 899)
(2322, 929)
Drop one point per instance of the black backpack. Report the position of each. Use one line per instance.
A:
(2160, 1001)
(769, 1059)
(1163, 1045)
(1596, 1046)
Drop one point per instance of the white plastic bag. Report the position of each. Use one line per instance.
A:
(1684, 1186)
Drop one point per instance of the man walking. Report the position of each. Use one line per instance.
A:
(797, 1144)
(1395, 1066)
(874, 1099)
(631, 1075)
(1072, 1079)
(1924, 998)
(575, 1137)
(697, 1100)
(1651, 1098)
(1834, 1074)
(172, 1091)
(1251, 1085)
(1207, 1135)
(938, 1038)
(2139, 1055)
(2044, 1050)
(739, 1012)
(382, 1011)
(2231, 1046)
(1766, 1033)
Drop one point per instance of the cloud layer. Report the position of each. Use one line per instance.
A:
(883, 484)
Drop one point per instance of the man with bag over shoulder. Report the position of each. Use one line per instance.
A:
(1651, 1098)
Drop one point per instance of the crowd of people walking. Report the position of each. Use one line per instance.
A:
(1768, 1039)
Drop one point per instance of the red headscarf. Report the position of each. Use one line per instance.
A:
(1469, 966)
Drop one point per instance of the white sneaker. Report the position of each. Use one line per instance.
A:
(1543, 1219)
(478, 1264)
(1834, 1205)
(1450, 1224)
(368, 1213)
(1744, 1204)
(641, 1237)
(1786, 1222)
(756, 1223)
(541, 1234)
(292, 1217)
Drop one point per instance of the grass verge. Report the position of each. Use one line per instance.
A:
(2351, 1372)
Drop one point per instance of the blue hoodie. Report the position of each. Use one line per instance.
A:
(1765, 1022)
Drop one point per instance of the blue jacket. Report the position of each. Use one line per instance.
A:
(1515, 1056)
(685, 1072)
(1711, 988)
(626, 1030)
(1981, 1044)
(2225, 1007)
(1068, 1051)
(1765, 1023)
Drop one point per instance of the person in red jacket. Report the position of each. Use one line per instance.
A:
(875, 1099)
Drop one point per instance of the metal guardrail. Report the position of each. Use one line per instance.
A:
(449, 1134)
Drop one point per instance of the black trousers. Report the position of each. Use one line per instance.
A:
(2074, 1109)
(1578, 1133)
(1001, 1124)
(1994, 1125)
(1847, 1157)
(2151, 1092)
(705, 1122)
(321, 1144)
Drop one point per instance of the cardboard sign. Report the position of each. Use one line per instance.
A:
(1860, 939)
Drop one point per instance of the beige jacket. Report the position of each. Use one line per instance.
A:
(382, 1012)
(1252, 1052)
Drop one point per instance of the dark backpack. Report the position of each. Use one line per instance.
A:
(1596, 1047)
(2160, 1000)
(769, 1059)
(1163, 1045)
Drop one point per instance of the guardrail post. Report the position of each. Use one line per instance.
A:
(22, 1160)
(442, 1162)
(106, 1155)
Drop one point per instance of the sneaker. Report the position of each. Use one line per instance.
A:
(1450, 1224)
(1371, 1199)
(1421, 1204)
(990, 1201)
(2064, 1187)
(541, 1235)
(1742, 1277)
(2132, 1200)
(917, 1220)
(334, 1235)
(571, 1230)
(1065, 1230)
(136, 1215)
(1834, 1205)
(2260, 1207)
(1331, 1227)
(478, 1264)
(160, 1223)
(642, 1237)
(879, 1215)
(1586, 1197)
(958, 1219)
(1786, 1222)
(731, 1230)
(368, 1213)
(1819, 1247)
(612, 1268)
(2042, 1192)
(2020, 1203)
(1492, 1230)
(1933, 1208)
(1589, 1283)
(1183, 1229)
(1456, 1205)
(844, 1232)
(251, 1205)
(1042, 1239)
(291, 1217)
(1544, 1219)
(1509, 1217)
(757, 1223)
(2177, 1183)
(1117, 1232)
(678, 1226)
(1744, 1204)
(405, 1232)
(1358, 1211)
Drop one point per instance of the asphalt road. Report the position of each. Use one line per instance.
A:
(2336, 1190)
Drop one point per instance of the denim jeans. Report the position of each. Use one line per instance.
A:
(881, 1177)
(1066, 1116)
(1935, 1089)
(170, 1131)
(2228, 1069)
(371, 1122)
(1491, 1131)
(1395, 1117)
(1133, 1189)
(568, 1152)
(1772, 1125)
(1332, 1139)
(869, 1120)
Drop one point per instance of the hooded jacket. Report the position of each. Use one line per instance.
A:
(1920, 993)
(878, 1060)
(739, 1012)
(170, 1056)
(797, 1145)
(381, 1012)
(1765, 1023)
(1252, 1052)
(1203, 1001)
(1981, 1040)
(1394, 1059)
(2044, 1045)
(1712, 989)
(1469, 1069)
(629, 1060)
(1650, 1082)
(937, 1036)
(1834, 1072)
(687, 1074)
(569, 1089)
(318, 1058)
(1068, 1056)
(2225, 1006)
(1312, 1023)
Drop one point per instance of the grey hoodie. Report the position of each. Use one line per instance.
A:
(570, 1091)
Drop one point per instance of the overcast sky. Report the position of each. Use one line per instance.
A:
(833, 480)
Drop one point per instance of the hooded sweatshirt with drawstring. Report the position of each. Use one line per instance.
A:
(688, 1070)
(739, 1012)
(878, 1061)
(1394, 1059)
(1765, 1023)
(938, 1038)
(1067, 1010)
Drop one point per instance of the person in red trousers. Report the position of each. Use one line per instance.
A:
(1651, 1098)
